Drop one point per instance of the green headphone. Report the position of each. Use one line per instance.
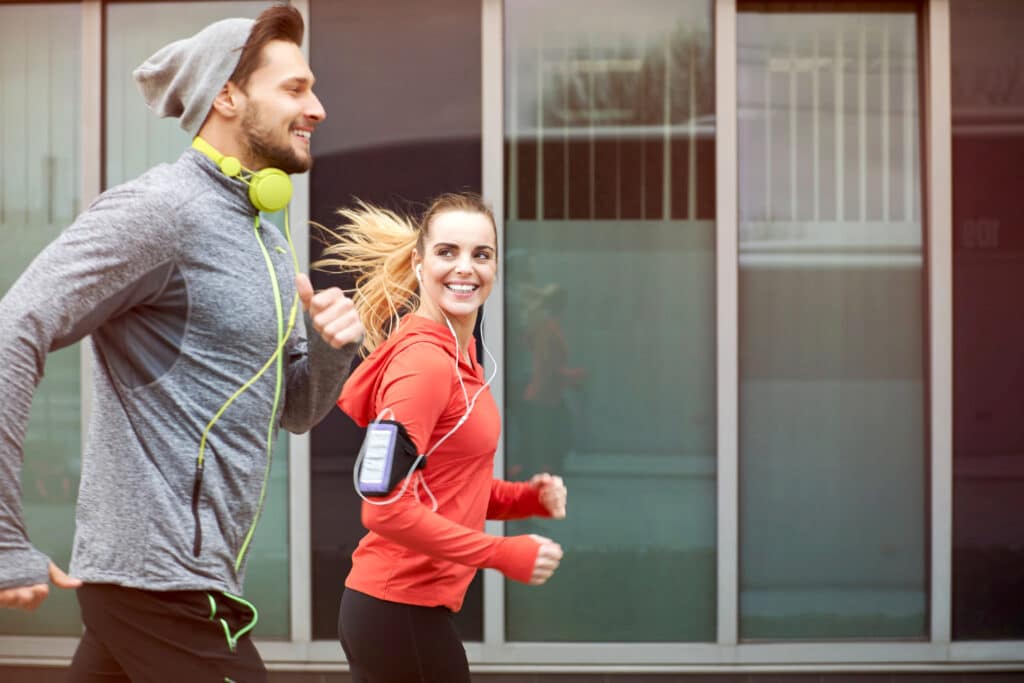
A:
(270, 189)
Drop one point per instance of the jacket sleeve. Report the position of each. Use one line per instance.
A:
(316, 372)
(113, 256)
(514, 500)
(410, 389)
(410, 523)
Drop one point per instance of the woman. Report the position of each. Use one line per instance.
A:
(418, 294)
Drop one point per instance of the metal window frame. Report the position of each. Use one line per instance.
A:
(938, 200)
(300, 546)
(727, 654)
(727, 317)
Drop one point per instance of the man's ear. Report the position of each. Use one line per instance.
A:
(228, 102)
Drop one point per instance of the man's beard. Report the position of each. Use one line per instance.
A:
(260, 147)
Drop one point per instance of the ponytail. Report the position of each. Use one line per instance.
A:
(376, 245)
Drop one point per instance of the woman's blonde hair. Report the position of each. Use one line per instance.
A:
(376, 245)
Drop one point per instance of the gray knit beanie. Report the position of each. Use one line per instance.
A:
(183, 78)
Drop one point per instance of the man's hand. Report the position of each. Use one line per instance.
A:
(333, 314)
(548, 558)
(552, 493)
(29, 598)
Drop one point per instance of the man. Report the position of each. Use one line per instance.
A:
(198, 358)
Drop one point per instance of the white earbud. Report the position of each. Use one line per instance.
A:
(419, 272)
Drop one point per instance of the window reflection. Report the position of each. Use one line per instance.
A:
(609, 272)
(831, 285)
(403, 127)
(988, 274)
(39, 196)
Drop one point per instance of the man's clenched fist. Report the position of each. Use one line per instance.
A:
(333, 314)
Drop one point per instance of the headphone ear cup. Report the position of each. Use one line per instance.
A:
(270, 190)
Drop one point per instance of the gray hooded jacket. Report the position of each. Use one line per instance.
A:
(166, 273)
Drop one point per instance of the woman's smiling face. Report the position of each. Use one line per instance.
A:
(458, 264)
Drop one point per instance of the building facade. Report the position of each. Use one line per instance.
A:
(755, 305)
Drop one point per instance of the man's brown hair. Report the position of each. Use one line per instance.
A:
(281, 22)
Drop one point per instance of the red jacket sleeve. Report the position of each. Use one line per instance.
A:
(410, 389)
(411, 524)
(514, 500)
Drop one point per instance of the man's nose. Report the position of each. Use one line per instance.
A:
(315, 110)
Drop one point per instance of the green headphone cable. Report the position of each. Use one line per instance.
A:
(276, 357)
(233, 638)
(280, 375)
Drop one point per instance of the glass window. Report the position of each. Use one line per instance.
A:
(136, 140)
(988, 330)
(40, 195)
(403, 126)
(832, 395)
(610, 312)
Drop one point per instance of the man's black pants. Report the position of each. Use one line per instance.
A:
(156, 637)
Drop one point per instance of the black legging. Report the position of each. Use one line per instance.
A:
(388, 642)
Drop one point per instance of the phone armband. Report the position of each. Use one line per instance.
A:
(386, 457)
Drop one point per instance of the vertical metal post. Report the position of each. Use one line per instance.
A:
(492, 127)
(727, 320)
(938, 120)
(300, 550)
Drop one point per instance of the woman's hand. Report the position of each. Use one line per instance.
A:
(552, 493)
(548, 558)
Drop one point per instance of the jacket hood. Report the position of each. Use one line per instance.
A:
(359, 395)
